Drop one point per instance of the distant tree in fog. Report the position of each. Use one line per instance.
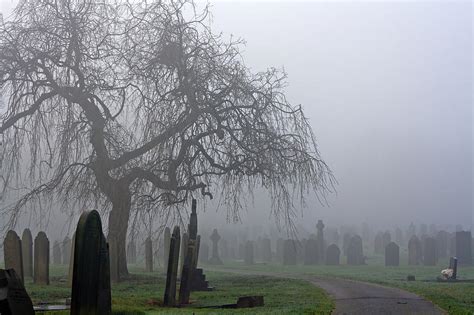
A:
(133, 105)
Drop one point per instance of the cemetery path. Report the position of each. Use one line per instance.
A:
(361, 298)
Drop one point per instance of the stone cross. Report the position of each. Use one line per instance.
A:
(215, 259)
(41, 262)
(172, 270)
(91, 275)
(13, 254)
(27, 252)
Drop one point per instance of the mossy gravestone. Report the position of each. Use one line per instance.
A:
(13, 297)
(13, 254)
(41, 262)
(91, 274)
(27, 252)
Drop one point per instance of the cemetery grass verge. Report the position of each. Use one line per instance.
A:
(142, 294)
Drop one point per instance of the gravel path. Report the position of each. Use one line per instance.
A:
(360, 298)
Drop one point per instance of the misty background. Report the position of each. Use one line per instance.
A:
(387, 88)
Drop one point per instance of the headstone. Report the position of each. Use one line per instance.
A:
(386, 239)
(392, 254)
(204, 253)
(132, 252)
(464, 248)
(320, 239)
(12, 253)
(378, 243)
(66, 250)
(13, 297)
(266, 250)
(41, 261)
(172, 270)
(27, 253)
(311, 252)
(429, 253)
(248, 259)
(91, 274)
(56, 253)
(414, 251)
(332, 255)
(166, 246)
(289, 252)
(148, 255)
(442, 241)
(355, 255)
(215, 259)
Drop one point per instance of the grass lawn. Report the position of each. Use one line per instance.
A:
(143, 292)
(456, 298)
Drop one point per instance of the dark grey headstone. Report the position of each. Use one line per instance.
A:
(464, 248)
(333, 254)
(392, 254)
(13, 297)
(27, 253)
(41, 262)
(355, 255)
(12, 253)
(91, 274)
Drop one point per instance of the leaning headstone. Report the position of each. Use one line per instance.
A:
(311, 252)
(172, 270)
(41, 262)
(429, 253)
(91, 274)
(66, 250)
(332, 255)
(12, 253)
(392, 254)
(148, 255)
(215, 259)
(248, 257)
(56, 253)
(27, 252)
(355, 255)
(266, 250)
(464, 248)
(289, 252)
(414, 251)
(166, 246)
(13, 297)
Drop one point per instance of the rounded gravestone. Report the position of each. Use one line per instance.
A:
(27, 252)
(392, 254)
(333, 254)
(12, 253)
(41, 263)
(355, 255)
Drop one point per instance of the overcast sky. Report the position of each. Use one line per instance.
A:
(387, 87)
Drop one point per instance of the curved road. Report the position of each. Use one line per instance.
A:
(361, 298)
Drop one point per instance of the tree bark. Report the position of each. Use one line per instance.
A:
(118, 226)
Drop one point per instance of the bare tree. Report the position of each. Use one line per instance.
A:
(134, 103)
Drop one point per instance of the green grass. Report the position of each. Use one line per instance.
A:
(456, 298)
(142, 294)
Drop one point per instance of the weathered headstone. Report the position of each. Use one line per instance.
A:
(464, 248)
(355, 255)
(132, 252)
(172, 270)
(166, 246)
(266, 250)
(289, 252)
(91, 275)
(392, 254)
(41, 262)
(248, 259)
(27, 253)
(13, 297)
(12, 253)
(215, 259)
(332, 255)
(414, 251)
(66, 250)
(148, 255)
(56, 253)
(430, 257)
(311, 252)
